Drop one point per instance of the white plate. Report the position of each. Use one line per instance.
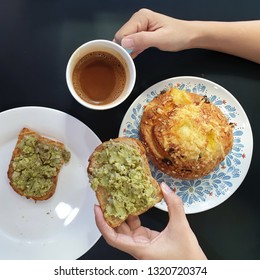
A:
(62, 227)
(209, 191)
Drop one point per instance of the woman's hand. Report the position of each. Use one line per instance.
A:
(149, 29)
(176, 241)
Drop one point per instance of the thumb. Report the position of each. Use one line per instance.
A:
(174, 203)
(139, 41)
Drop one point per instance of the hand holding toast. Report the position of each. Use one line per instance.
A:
(176, 241)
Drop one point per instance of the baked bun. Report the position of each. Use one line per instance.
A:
(35, 164)
(119, 173)
(184, 134)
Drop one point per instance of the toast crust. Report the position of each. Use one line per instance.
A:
(17, 152)
(104, 195)
(185, 135)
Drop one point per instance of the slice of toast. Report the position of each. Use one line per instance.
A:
(119, 173)
(35, 165)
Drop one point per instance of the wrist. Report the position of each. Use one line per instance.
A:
(189, 34)
(198, 35)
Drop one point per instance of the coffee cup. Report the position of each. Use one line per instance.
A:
(100, 74)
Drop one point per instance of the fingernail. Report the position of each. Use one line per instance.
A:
(166, 189)
(128, 50)
(128, 43)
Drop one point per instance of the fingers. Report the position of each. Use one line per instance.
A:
(174, 203)
(137, 23)
(133, 222)
(118, 237)
(108, 232)
(139, 41)
(129, 44)
(135, 35)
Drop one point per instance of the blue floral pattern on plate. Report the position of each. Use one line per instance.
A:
(211, 190)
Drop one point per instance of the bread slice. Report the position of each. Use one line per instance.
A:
(119, 173)
(35, 164)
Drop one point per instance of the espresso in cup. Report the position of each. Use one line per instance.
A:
(100, 74)
(99, 77)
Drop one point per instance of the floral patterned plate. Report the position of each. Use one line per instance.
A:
(207, 192)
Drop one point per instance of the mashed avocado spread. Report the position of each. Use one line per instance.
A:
(36, 165)
(120, 171)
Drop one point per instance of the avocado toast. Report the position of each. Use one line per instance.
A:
(35, 164)
(119, 173)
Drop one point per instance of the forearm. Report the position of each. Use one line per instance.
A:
(150, 29)
(237, 38)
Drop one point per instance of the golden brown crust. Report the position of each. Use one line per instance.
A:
(103, 195)
(16, 152)
(185, 135)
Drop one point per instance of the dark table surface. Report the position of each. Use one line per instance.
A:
(37, 38)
